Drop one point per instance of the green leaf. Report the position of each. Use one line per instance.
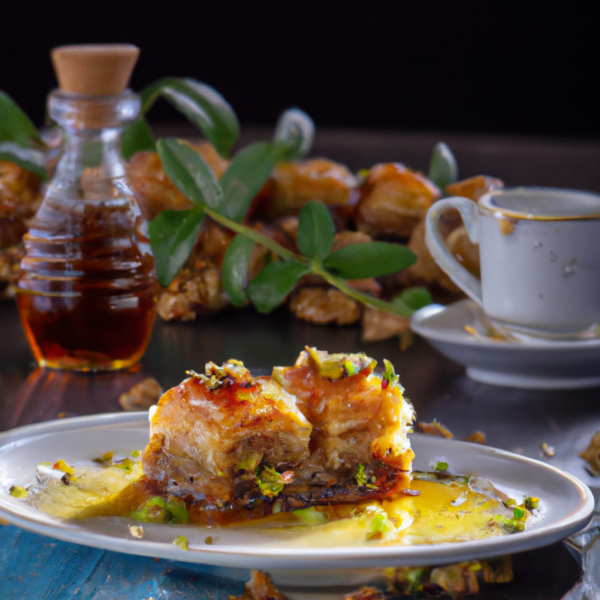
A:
(443, 169)
(297, 127)
(413, 298)
(27, 158)
(315, 230)
(189, 172)
(244, 177)
(15, 125)
(136, 138)
(202, 105)
(369, 259)
(235, 268)
(272, 285)
(173, 234)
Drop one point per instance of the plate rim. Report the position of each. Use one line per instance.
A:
(305, 558)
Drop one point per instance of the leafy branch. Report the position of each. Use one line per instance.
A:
(173, 233)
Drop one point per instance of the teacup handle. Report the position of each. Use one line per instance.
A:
(438, 249)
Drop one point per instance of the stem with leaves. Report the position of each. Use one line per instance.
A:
(173, 233)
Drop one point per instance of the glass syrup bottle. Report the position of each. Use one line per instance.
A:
(87, 284)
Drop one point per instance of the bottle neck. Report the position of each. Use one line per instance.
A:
(92, 158)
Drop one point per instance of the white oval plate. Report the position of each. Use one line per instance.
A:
(567, 504)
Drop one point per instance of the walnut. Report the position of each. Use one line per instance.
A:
(191, 293)
(393, 200)
(425, 269)
(323, 306)
(474, 187)
(477, 437)
(293, 184)
(366, 593)
(141, 396)
(380, 325)
(592, 454)
(10, 259)
(19, 199)
(435, 428)
(259, 588)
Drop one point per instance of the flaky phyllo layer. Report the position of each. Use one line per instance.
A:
(326, 430)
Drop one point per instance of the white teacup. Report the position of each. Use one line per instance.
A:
(539, 251)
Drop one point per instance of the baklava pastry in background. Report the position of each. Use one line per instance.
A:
(293, 184)
(393, 200)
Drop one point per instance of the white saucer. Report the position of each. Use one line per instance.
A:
(538, 364)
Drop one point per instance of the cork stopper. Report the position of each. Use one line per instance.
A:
(94, 69)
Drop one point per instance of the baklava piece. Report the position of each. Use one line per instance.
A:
(323, 431)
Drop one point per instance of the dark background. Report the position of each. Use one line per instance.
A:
(494, 67)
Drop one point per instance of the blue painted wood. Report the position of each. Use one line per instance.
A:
(40, 568)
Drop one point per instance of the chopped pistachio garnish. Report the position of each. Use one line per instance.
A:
(159, 510)
(518, 512)
(269, 481)
(311, 516)
(510, 525)
(361, 476)
(216, 376)
(338, 366)
(135, 453)
(181, 541)
(441, 466)
(531, 502)
(511, 502)
(126, 464)
(389, 375)
(349, 368)
(380, 525)
(18, 491)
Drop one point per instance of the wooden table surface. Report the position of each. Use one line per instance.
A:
(33, 566)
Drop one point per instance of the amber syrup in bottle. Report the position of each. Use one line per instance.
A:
(87, 284)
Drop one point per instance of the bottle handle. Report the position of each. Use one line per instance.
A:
(438, 249)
